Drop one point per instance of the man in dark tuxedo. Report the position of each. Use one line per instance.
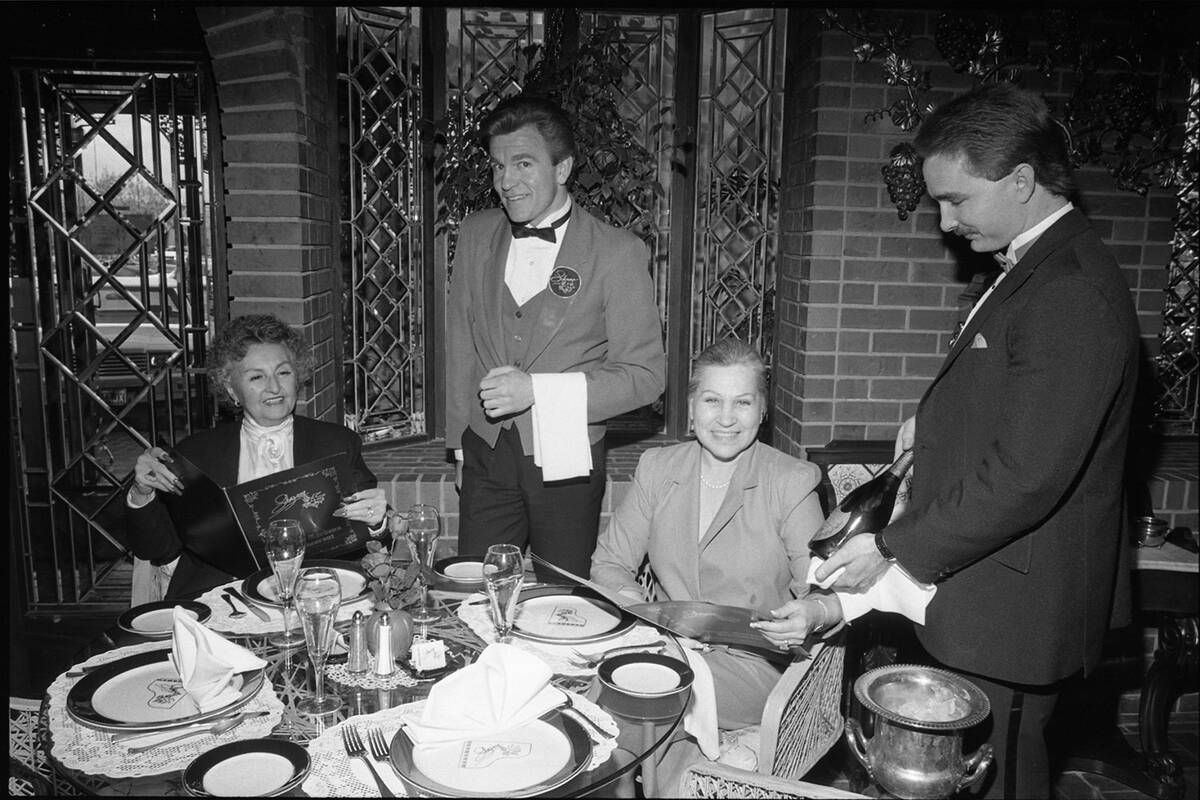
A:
(1017, 508)
(551, 330)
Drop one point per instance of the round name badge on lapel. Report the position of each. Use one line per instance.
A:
(565, 282)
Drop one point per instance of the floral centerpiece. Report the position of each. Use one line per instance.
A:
(392, 579)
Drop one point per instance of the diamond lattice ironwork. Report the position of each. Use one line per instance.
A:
(109, 338)
(741, 106)
(649, 86)
(380, 72)
(1177, 362)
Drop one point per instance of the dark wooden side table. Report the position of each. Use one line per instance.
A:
(1165, 585)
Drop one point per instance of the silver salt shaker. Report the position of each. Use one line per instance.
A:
(359, 660)
(384, 663)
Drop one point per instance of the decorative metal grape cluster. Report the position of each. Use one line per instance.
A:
(902, 174)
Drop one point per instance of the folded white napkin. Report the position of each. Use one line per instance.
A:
(208, 663)
(506, 687)
(559, 416)
(700, 718)
(895, 591)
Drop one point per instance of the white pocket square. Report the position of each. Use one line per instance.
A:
(978, 342)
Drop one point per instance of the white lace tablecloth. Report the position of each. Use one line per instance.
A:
(94, 752)
(335, 774)
(478, 616)
(251, 625)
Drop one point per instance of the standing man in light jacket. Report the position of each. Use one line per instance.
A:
(552, 329)
(1017, 508)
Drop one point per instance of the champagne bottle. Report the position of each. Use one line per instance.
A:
(867, 509)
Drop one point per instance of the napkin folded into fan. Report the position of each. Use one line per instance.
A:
(208, 663)
(506, 687)
(895, 591)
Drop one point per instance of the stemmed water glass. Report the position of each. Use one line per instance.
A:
(318, 597)
(424, 527)
(285, 542)
(503, 572)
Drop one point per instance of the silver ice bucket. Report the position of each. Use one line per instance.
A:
(920, 715)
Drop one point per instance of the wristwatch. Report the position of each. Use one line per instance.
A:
(887, 554)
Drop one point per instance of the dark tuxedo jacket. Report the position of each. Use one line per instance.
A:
(601, 321)
(1017, 495)
(152, 534)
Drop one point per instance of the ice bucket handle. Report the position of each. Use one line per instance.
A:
(976, 767)
(858, 744)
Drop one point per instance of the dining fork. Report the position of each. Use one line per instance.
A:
(379, 746)
(584, 661)
(354, 748)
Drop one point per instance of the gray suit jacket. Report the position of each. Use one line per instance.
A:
(606, 325)
(754, 553)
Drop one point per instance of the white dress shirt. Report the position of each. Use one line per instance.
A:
(1018, 245)
(531, 260)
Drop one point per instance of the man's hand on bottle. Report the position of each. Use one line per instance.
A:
(906, 437)
(863, 562)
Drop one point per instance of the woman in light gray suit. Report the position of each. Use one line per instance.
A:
(723, 519)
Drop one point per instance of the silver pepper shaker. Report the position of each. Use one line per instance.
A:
(359, 659)
(384, 663)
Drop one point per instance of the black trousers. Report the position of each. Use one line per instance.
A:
(1016, 730)
(505, 501)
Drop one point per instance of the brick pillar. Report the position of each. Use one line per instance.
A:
(274, 74)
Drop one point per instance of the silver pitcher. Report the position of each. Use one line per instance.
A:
(920, 715)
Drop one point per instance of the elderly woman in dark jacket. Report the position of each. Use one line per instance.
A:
(258, 363)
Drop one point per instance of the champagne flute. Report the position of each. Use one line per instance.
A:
(318, 597)
(285, 542)
(424, 527)
(503, 572)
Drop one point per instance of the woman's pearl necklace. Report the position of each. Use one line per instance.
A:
(713, 485)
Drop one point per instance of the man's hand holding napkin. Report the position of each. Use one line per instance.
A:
(208, 663)
(895, 591)
(506, 687)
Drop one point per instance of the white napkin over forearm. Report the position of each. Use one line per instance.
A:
(208, 663)
(895, 591)
(700, 717)
(505, 688)
(559, 417)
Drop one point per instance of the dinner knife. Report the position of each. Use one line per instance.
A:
(242, 717)
(254, 608)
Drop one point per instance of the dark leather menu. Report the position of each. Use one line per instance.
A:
(222, 526)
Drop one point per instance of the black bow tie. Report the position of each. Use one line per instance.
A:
(523, 231)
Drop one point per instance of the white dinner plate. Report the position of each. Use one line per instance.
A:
(568, 617)
(461, 569)
(645, 675)
(249, 768)
(144, 692)
(528, 760)
(263, 588)
(157, 620)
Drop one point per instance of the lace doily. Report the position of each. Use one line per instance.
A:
(368, 679)
(334, 774)
(95, 752)
(478, 617)
(250, 624)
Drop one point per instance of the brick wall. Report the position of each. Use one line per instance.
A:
(867, 301)
(274, 74)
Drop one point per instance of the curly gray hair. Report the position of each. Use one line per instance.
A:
(232, 342)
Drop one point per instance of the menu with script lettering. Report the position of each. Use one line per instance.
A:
(222, 526)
